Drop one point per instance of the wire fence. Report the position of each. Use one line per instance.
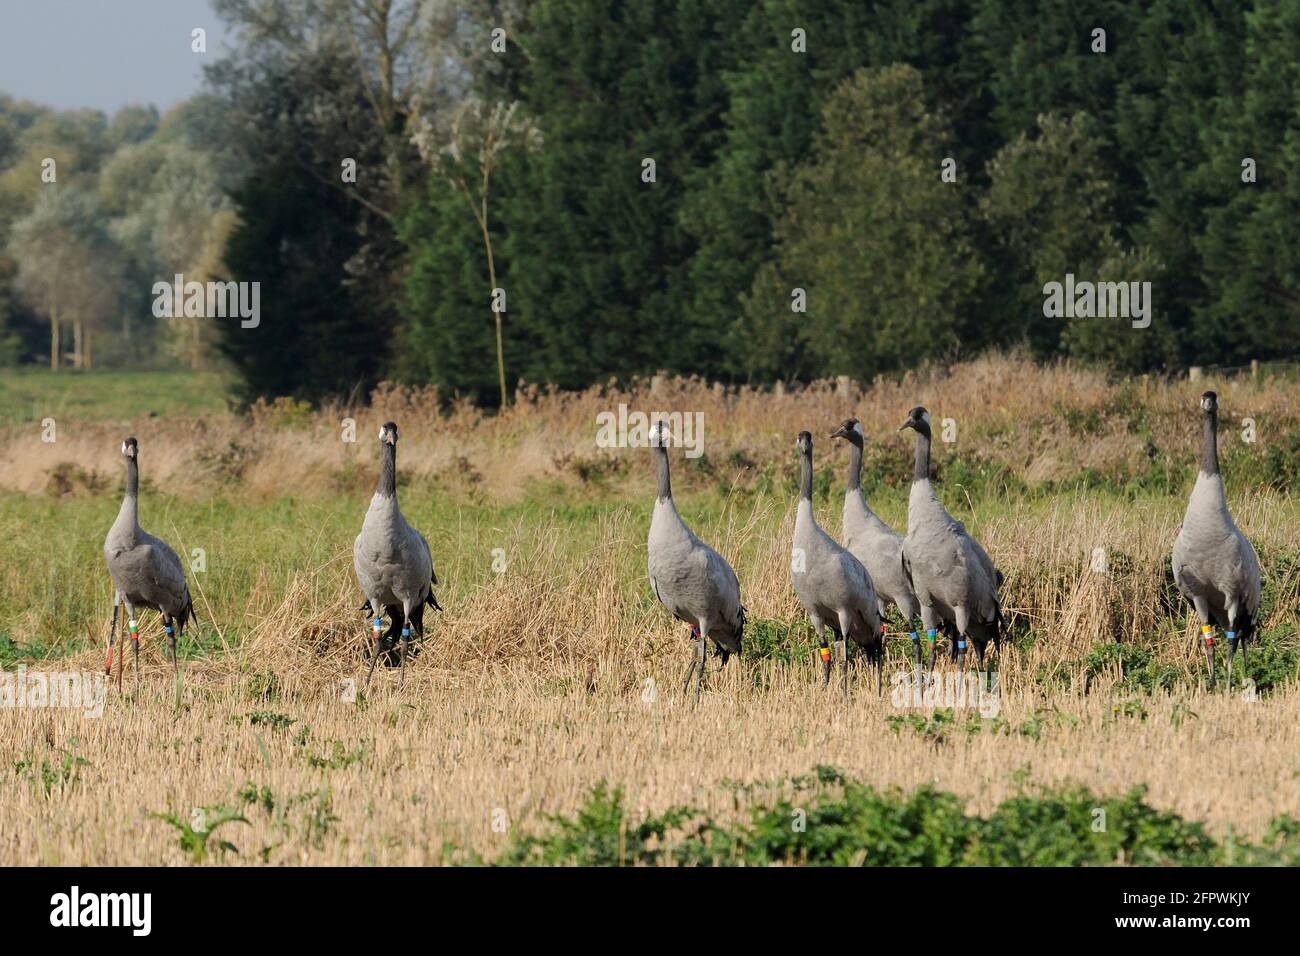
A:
(1255, 369)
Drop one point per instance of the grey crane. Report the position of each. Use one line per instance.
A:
(952, 575)
(392, 560)
(878, 546)
(146, 572)
(690, 579)
(1214, 565)
(833, 586)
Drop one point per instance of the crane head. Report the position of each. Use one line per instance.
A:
(918, 419)
(850, 429)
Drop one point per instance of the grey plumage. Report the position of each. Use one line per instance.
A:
(690, 579)
(835, 589)
(1214, 565)
(953, 577)
(878, 546)
(393, 565)
(146, 572)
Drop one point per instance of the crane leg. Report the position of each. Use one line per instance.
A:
(1232, 652)
(170, 627)
(377, 628)
(695, 657)
(406, 639)
(702, 656)
(112, 632)
(1207, 636)
(133, 627)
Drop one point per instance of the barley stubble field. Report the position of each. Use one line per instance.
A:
(542, 718)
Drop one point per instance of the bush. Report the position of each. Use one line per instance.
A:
(843, 822)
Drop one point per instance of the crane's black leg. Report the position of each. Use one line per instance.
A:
(377, 627)
(824, 650)
(133, 626)
(1232, 651)
(406, 639)
(702, 656)
(695, 657)
(169, 627)
(112, 632)
(960, 637)
(1207, 636)
(844, 663)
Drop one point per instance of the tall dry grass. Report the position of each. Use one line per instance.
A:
(1036, 423)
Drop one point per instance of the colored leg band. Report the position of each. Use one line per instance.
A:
(1231, 636)
(916, 638)
(825, 653)
(961, 645)
(167, 628)
(406, 632)
(378, 623)
(929, 634)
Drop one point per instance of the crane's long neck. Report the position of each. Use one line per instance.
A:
(855, 466)
(128, 516)
(388, 471)
(663, 484)
(805, 476)
(1209, 444)
(921, 470)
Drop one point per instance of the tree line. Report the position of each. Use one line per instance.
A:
(564, 191)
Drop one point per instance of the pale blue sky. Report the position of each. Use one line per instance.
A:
(104, 53)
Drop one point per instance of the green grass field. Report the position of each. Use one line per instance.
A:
(34, 394)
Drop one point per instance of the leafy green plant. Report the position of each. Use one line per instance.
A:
(54, 775)
(267, 718)
(1139, 669)
(338, 758)
(768, 639)
(193, 834)
(837, 821)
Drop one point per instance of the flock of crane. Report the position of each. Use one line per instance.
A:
(936, 572)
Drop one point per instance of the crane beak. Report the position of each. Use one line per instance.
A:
(906, 425)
